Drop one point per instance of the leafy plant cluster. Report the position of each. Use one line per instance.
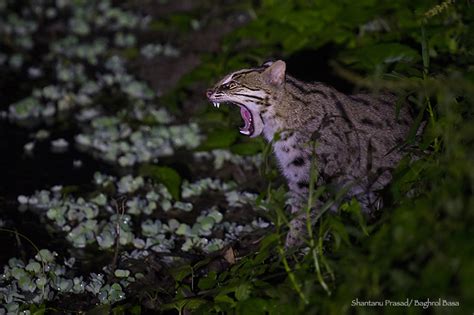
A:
(420, 246)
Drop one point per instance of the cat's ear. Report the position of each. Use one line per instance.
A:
(275, 73)
(268, 63)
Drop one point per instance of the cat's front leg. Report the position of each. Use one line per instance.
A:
(297, 202)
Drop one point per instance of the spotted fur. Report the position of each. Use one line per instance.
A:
(354, 134)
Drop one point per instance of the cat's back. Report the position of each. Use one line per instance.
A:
(380, 116)
(361, 133)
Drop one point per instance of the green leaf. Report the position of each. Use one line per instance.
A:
(45, 256)
(37, 310)
(193, 304)
(208, 282)
(353, 207)
(224, 298)
(339, 230)
(120, 273)
(247, 148)
(219, 138)
(425, 51)
(181, 272)
(34, 267)
(136, 310)
(258, 306)
(165, 175)
(127, 309)
(243, 291)
(100, 310)
(370, 56)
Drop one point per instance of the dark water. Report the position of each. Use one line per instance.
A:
(23, 174)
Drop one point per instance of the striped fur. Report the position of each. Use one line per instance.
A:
(354, 134)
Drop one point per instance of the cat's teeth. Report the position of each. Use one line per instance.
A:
(218, 104)
(245, 132)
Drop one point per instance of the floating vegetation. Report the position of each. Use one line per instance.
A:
(44, 279)
(103, 220)
(114, 141)
(220, 156)
(79, 92)
(59, 145)
(152, 50)
(71, 62)
(100, 220)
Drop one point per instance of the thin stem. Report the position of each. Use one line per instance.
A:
(291, 275)
(312, 243)
(18, 234)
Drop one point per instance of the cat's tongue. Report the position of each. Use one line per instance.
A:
(247, 129)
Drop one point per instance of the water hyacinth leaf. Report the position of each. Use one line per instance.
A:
(41, 281)
(17, 273)
(173, 224)
(214, 245)
(183, 229)
(120, 273)
(115, 293)
(207, 223)
(185, 206)
(165, 175)
(216, 215)
(33, 266)
(105, 240)
(45, 256)
(150, 228)
(125, 237)
(26, 284)
(65, 285)
(100, 200)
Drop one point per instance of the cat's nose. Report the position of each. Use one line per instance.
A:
(209, 93)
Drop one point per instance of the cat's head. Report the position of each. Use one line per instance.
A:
(253, 90)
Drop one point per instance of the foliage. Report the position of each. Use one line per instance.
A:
(419, 247)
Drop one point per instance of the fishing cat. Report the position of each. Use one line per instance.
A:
(354, 135)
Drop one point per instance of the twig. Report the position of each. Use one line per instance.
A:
(120, 211)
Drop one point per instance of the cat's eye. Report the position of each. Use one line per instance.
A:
(229, 86)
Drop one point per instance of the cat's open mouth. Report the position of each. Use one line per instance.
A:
(248, 127)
